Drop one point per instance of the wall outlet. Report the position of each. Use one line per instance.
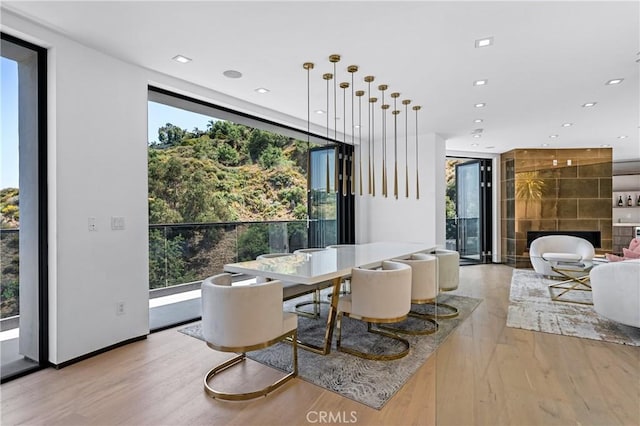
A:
(120, 308)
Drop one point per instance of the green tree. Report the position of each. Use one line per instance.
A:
(271, 157)
(170, 135)
(258, 142)
(253, 242)
(227, 155)
(166, 260)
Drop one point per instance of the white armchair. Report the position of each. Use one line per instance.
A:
(424, 290)
(548, 251)
(448, 279)
(616, 291)
(242, 319)
(377, 296)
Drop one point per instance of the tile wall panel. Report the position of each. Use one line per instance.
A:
(554, 190)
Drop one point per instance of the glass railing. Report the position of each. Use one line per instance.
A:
(9, 272)
(188, 252)
(179, 253)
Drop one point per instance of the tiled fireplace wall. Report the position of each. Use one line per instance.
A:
(553, 190)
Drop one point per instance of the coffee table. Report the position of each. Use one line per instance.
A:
(576, 276)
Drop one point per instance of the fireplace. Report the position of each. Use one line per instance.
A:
(592, 236)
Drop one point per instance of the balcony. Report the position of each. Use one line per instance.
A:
(180, 256)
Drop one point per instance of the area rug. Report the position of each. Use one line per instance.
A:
(531, 308)
(371, 383)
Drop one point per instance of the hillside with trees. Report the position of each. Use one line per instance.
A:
(227, 173)
(230, 172)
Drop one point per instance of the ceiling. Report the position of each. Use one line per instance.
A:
(546, 61)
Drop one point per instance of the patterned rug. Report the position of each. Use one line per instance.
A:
(531, 308)
(371, 383)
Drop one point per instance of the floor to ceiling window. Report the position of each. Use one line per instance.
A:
(226, 187)
(23, 245)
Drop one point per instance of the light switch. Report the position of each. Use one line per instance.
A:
(117, 223)
(92, 224)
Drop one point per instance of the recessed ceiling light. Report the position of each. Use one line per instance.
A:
(474, 144)
(319, 111)
(622, 137)
(262, 90)
(567, 124)
(484, 42)
(477, 135)
(232, 74)
(614, 81)
(480, 105)
(357, 126)
(478, 120)
(181, 59)
(589, 104)
(553, 136)
(544, 144)
(480, 82)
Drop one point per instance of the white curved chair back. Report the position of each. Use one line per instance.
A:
(381, 293)
(448, 269)
(424, 277)
(566, 244)
(616, 291)
(240, 316)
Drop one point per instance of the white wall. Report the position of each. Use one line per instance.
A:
(97, 168)
(406, 219)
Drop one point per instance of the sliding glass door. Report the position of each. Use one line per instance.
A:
(323, 197)
(469, 224)
(23, 201)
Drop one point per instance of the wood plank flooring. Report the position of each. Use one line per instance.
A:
(485, 373)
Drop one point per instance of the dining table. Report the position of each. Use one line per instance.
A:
(331, 264)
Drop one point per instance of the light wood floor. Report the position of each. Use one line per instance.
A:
(485, 373)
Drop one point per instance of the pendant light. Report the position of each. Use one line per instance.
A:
(344, 86)
(384, 107)
(395, 113)
(334, 59)
(359, 94)
(327, 77)
(416, 108)
(406, 103)
(308, 66)
(369, 79)
(372, 132)
(352, 69)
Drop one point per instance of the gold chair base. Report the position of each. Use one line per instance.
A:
(454, 311)
(344, 289)
(422, 332)
(316, 302)
(368, 355)
(217, 394)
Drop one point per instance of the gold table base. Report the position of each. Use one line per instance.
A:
(572, 283)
